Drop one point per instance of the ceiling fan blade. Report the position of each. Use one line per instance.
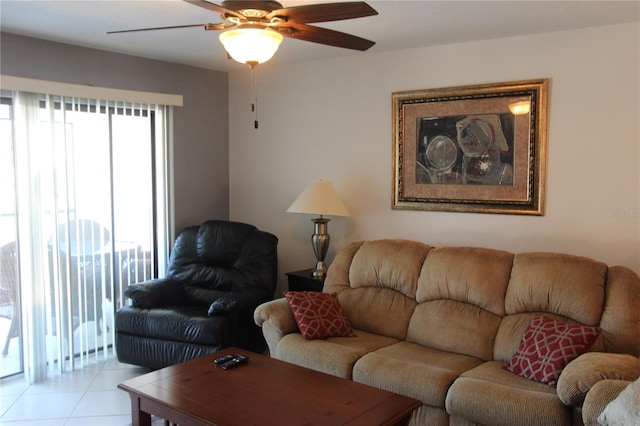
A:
(206, 27)
(324, 12)
(213, 7)
(324, 36)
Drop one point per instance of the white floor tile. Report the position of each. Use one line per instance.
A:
(113, 364)
(43, 406)
(109, 379)
(43, 422)
(100, 421)
(13, 386)
(86, 397)
(103, 403)
(6, 401)
(77, 381)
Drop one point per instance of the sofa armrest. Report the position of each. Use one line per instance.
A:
(597, 399)
(277, 320)
(584, 372)
(157, 293)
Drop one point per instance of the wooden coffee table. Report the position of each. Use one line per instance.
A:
(263, 391)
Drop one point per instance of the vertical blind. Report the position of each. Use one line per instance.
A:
(90, 197)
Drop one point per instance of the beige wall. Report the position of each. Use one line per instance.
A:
(331, 119)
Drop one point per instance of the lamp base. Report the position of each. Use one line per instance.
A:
(320, 242)
(320, 271)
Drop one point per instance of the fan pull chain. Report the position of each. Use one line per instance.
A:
(254, 95)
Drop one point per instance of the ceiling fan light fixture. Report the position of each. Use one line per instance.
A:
(251, 45)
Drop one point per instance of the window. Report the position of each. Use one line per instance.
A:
(83, 210)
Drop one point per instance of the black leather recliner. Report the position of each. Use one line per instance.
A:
(217, 274)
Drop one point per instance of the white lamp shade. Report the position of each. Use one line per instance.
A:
(319, 197)
(251, 45)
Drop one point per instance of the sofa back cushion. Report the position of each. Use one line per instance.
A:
(376, 281)
(381, 311)
(460, 300)
(478, 301)
(620, 321)
(563, 286)
(393, 264)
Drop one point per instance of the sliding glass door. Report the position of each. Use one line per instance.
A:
(80, 207)
(10, 322)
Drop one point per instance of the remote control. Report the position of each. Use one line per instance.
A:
(237, 360)
(223, 359)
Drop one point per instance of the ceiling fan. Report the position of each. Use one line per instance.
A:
(253, 29)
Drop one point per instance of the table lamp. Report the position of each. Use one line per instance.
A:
(320, 198)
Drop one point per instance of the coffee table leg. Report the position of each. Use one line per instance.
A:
(138, 417)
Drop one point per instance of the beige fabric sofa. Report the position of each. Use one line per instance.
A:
(605, 392)
(438, 324)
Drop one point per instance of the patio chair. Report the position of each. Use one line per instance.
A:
(9, 287)
(79, 260)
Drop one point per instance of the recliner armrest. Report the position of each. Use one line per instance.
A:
(579, 376)
(236, 302)
(157, 293)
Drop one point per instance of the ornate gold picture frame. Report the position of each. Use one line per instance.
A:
(470, 149)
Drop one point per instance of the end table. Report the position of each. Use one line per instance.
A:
(304, 281)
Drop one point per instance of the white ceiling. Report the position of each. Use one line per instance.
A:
(399, 25)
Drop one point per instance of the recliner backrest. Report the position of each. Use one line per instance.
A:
(224, 256)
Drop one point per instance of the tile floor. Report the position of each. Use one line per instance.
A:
(88, 396)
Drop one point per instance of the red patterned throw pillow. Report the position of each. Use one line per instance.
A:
(547, 346)
(319, 315)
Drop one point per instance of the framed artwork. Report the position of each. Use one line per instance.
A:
(474, 148)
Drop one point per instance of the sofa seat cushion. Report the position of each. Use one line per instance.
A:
(413, 370)
(473, 397)
(179, 323)
(335, 355)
